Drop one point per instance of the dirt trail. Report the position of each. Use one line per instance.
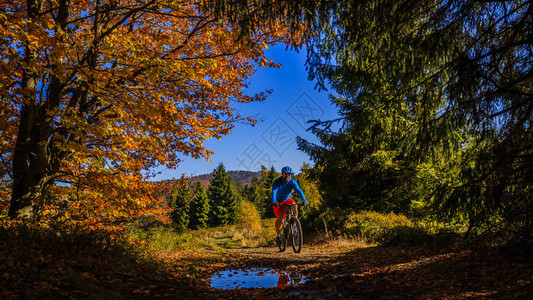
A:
(383, 273)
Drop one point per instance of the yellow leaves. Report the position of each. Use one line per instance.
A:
(264, 62)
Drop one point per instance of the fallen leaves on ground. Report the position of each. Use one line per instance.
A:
(30, 269)
(397, 272)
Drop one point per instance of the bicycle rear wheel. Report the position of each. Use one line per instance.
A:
(296, 235)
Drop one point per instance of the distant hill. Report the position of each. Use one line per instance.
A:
(240, 177)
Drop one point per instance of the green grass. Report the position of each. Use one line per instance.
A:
(166, 238)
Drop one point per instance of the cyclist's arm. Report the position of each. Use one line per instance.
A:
(299, 192)
(274, 192)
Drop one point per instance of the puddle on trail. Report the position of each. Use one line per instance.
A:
(256, 278)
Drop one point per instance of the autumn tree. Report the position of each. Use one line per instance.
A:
(199, 208)
(248, 218)
(96, 93)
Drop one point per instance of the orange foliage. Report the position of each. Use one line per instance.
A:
(124, 86)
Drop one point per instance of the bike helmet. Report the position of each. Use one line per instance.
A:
(287, 170)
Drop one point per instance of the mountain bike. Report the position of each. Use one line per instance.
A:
(291, 229)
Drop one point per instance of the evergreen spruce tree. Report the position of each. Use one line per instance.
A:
(199, 208)
(223, 198)
(236, 202)
(436, 99)
(179, 200)
(437, 103)
(267, 178)
(379, 156)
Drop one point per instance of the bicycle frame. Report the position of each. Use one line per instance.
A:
(287, 208)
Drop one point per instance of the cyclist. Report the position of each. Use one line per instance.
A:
(282, 188)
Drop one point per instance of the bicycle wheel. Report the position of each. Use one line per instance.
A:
(296, 235)
(283, 243)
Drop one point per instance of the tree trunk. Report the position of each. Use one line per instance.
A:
(30, 164)
(30, 157)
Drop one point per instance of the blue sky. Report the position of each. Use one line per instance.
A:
(293, 101)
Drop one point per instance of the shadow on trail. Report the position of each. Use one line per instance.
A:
(77, 263)
(397, 272)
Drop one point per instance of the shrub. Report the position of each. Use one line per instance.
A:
(248, 218)
(405, 236)
(329, 219)
(418, 235)
(373, 225)
(166, 238)
(147, 221)
(386, 229)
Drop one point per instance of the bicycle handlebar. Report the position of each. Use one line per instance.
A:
(292, 204)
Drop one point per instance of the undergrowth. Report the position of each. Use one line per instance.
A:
(70, 261)
(165, 238)
(384, 229)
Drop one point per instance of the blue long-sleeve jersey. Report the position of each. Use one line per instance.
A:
(282, 190)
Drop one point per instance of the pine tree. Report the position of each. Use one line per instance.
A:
(180, 200)
(267, 178)
(236, 202)
(223, 198)
(437, 103)
(199, 208)
(436, 99)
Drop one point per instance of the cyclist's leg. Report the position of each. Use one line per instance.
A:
(294, 208)
(278, 223)
(279, 217)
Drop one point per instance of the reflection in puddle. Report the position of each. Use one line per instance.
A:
(256, 278)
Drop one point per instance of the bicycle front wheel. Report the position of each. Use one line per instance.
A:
(296, 235)
(282, 243)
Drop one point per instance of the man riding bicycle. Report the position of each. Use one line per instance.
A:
(282, 188)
